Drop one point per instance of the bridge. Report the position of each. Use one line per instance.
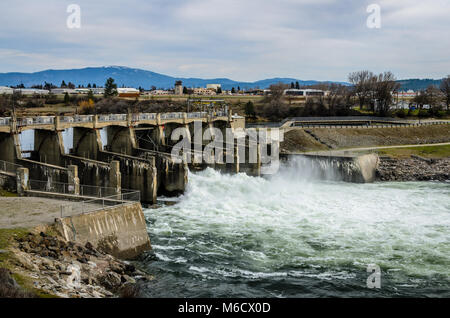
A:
(115, 151)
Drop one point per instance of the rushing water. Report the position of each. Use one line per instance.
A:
(292, 235)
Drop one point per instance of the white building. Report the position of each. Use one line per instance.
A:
(213, 86)
(6, 90)
(59, 91)
(31, 91)
(304, 92)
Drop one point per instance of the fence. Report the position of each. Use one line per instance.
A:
(9, 167)
(66, 188)
(97, 204)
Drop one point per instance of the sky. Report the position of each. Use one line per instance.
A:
(245, 40)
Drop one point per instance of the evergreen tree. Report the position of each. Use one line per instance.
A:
(91, 96)
(66, 98)
(250, 109)
(110, 88)
(297, 85)
(219, 90)
(233, 90)
(292, 85)
(63, 84)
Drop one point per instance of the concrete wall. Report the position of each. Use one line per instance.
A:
(120, 231)
(358, 169)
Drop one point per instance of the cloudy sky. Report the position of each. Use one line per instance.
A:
(239, 39)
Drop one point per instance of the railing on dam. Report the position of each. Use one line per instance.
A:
(98, 204)
(67, 188)
(8, 167)
(50, 120)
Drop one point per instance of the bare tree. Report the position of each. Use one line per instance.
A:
(385, 86)
(445, 89)
(362, 82)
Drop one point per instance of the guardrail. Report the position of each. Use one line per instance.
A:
(9, 167)
(89, 206)
(48, 120)
(66, 188)
(373, 126)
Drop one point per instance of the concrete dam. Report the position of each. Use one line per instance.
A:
(137, 153)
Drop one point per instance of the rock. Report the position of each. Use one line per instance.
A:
(110, 280)
(128, 279)
(26, 262)
(117, 267)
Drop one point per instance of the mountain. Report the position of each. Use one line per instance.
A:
(130, 77)
(416, 84)
(133, 77)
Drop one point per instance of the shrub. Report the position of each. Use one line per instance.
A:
(402, 113)
(86, 107)
(9, 288)
(423, 113)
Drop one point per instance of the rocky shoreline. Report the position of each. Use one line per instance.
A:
(67, 269)
(413, 169)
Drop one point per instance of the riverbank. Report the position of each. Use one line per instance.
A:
(413, 169)
(41, 264)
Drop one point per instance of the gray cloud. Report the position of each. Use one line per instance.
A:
(239, 39)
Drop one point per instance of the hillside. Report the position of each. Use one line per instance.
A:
(131, 77)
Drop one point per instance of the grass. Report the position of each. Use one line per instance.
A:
(4, 193)
(6, 238)
(425, 151)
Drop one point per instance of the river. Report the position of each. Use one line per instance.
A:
(297, 235)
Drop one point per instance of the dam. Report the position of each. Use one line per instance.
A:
(131, 151)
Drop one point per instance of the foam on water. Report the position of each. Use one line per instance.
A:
(245, 236)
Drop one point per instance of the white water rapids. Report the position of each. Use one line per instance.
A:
(293, 235)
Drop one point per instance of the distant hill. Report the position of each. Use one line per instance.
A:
(131, 77)
(416, 84)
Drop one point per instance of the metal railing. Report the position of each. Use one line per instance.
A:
(97, 204)
(48, 120)
(9, 167)
(66, 188)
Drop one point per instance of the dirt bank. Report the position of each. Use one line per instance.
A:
(362, 137)
(297, 140)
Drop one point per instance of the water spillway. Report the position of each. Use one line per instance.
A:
(300, 234)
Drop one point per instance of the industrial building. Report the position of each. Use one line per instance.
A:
(6, 90)
(128, 92)
(304, 92)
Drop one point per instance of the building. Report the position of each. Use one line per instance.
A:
(159, 92)
(213, 86)
(31, 91)
(204, 91)
(6, 90)
(178, 88)
(304, 92)
(128, 92)
(62, 91)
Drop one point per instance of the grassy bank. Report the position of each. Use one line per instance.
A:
(425, 151)
(8, 262)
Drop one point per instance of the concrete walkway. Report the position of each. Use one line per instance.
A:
(30, 211)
